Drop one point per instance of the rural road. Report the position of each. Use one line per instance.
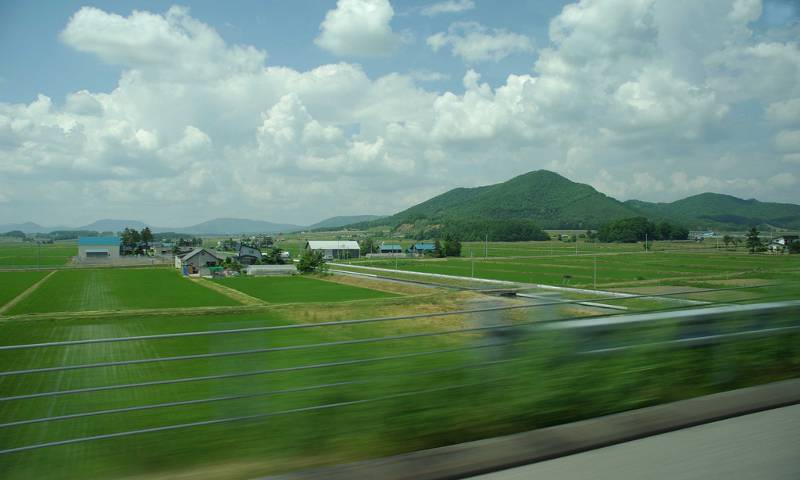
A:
(762, 446)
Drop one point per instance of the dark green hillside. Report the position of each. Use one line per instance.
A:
(725, 211)
(543, 197)
(335, 222)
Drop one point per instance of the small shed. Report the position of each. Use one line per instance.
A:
(335, 249)
(98, 248)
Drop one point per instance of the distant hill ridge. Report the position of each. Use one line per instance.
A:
(335, 222)
(217, 226)
(555, 202)
(546, 198)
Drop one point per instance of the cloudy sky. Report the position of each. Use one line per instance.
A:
(295, 111)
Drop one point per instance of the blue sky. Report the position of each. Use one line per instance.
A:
(285, 29)
(295, 111)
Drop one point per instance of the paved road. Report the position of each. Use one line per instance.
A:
(761, 446)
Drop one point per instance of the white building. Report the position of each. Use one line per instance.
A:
(335, 249)
(98, 248)
(259, 270)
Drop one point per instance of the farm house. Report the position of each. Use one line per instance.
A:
(335, 249)
(198, 258)
(98, 248)
(390, 248)
(422, 248)
(248, 255)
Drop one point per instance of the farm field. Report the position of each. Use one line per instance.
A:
(26, 255)
(117, 289)
(612, 270)
(555, 247)
(297, 289)
(410, 398)
(14, 283)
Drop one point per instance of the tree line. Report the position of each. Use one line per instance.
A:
(639, 229)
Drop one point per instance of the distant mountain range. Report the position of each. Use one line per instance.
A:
(723, 211)
(555, 202)
(217, 226)
(546, 198)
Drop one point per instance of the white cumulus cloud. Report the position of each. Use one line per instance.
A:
(359, 28)
(448, 6)
(475, 43)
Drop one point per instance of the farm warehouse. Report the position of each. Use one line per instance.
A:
(335, 248)
(98, 248)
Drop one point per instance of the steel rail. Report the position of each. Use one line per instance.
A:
(243, 417)
(154, 406)
(254, 351)
(538, 325)
(701, 340)
(561, 325)
(363, 361)
(364, 320)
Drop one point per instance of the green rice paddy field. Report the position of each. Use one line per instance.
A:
(117, 289)
(26, 255)
(14, 283)
(299, 289)
(612, 270)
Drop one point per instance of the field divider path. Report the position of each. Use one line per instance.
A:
(8, 306)
(231, 293)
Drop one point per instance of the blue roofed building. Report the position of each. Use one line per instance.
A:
(423, 248)
(98, 248)
(390, 248)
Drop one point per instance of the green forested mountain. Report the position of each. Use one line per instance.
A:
(545, 198)
(715, 210)
(551, 201)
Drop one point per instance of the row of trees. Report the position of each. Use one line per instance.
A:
(505, 230)
(639, 229)
(130, 237)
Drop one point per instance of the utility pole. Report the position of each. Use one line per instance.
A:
(473, 263)
(595, 273)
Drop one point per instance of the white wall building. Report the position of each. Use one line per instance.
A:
(335, 249)
(98, 249)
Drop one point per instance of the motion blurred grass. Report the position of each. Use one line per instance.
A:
(536, 380)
